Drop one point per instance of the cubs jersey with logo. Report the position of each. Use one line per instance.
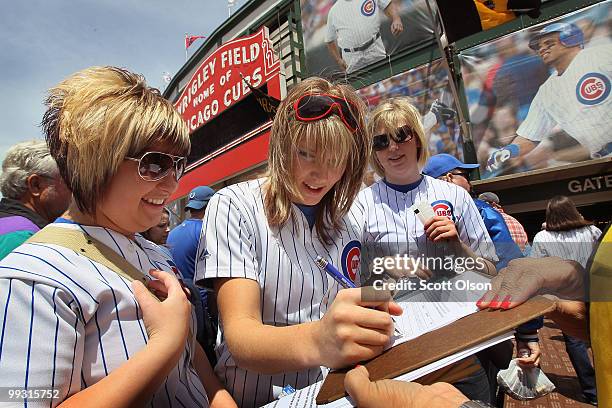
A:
(578, 101)
(389, 219)
(67, 321)
(240, 244)
(353, 23)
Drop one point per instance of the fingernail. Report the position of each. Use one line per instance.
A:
(506, 302)
(494, 303)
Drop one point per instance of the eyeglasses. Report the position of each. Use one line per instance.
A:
(153, 166)
(463, 174)
(403, 135)
(313, 107)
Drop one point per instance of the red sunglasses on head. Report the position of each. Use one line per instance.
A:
(313, 107)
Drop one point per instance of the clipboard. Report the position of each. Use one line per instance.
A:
(437, 344)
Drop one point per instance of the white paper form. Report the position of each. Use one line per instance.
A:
(423, 312)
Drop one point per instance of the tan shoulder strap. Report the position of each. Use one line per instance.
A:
(88, 246)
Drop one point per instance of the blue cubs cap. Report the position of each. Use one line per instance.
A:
(570, 35)
(442, 163)
(199, 197)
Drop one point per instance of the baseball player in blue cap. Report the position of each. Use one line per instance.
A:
(575, 98)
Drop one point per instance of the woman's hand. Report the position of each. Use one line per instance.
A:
(440, 228)
(167, 321)
(528, 277)
(399, 394)
(352, 331)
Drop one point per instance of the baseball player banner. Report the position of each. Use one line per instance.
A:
(349, 35)
(428, 88)
(540, 97)
(344, 36)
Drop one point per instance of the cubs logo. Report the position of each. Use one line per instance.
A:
(351, 259)
(444, 208)
(592, 88)
(368, 7)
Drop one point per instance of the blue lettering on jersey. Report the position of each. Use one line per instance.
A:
(444, 208)
(368, 7)
(593, 88)
(351, 259)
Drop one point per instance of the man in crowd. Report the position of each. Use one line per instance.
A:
(183, 243)
(34, 193)
(517, 232)
(183, 239)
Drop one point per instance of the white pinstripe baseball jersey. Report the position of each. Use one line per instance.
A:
(578, 101)
(67, 321)
(351, 24)
(577, 244)
(390, 221)
(239, 244)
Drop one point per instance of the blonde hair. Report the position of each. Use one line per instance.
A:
(96, 118)
(392, 114)
(333, 144)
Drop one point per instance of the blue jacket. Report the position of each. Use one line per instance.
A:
(505, 247)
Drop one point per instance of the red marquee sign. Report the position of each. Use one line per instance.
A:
(217, 83)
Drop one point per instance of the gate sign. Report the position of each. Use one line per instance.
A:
(218, 82)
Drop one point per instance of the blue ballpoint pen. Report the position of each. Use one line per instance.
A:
(342, 280)
(334, 273)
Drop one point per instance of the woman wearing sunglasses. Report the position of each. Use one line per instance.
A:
(393, 227)
(282, 317)
(73, 327)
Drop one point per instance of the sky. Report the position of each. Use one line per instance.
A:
(44, 41)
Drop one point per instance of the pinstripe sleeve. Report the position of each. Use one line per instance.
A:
(538, 124)
(538, 249)
(473, 231)
(226, 248)
(41, 339)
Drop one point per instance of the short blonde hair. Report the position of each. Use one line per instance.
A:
(333, 143)
(96, 118)
(390, 115)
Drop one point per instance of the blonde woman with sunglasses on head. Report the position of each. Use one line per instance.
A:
(391, 226)
(74, 328)
(281, 316)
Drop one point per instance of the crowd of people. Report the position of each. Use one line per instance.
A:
(106, 306)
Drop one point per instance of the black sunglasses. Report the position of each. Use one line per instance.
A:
(153, 166)
(312, 107)
(402, 135)
(464, 174)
